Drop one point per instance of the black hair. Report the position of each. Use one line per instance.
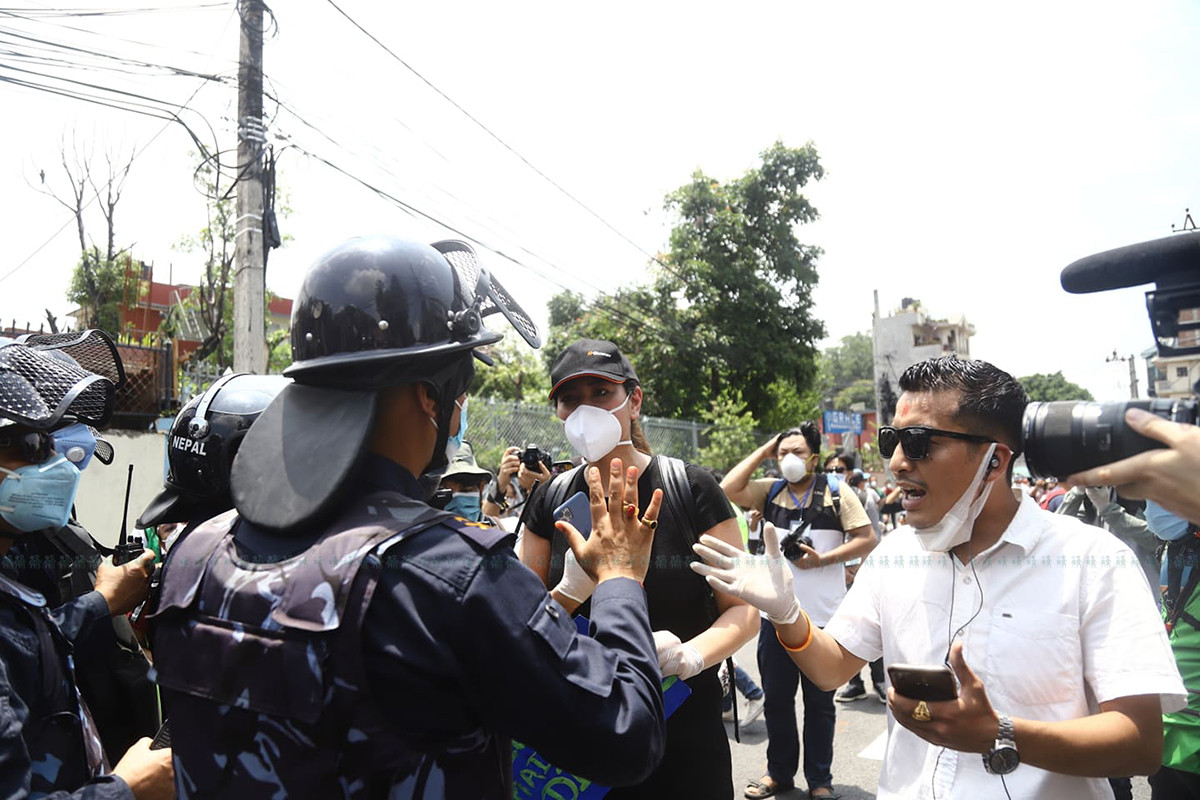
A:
(991, 402)
(846, 459)
(807, 429)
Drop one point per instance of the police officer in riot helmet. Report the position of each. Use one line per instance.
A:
(48, 738)
(370, 644)
(204, 438)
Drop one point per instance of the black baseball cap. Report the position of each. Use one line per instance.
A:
(594, 358)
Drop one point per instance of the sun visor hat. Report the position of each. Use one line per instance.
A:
(464, 465)
(297, 458)
(593, 358)
(46, 381)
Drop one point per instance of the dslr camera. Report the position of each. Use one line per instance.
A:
(790, 545)
(1063, 438)
(533, 456)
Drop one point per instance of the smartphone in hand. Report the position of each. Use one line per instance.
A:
(923, 682)
(577, 511)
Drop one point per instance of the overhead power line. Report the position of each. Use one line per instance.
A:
(505, 144)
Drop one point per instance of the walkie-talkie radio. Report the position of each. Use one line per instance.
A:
(128, 548)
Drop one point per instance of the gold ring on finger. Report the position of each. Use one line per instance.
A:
(652, 524)
(921, 712)
(630, 510)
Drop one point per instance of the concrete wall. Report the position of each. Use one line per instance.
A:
(102, 488)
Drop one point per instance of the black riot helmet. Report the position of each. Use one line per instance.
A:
(204, 439)
(374, 312)
(380, 311)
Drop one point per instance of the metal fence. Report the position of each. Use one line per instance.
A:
(495, 425)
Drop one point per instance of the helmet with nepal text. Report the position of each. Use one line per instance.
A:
(203, 440)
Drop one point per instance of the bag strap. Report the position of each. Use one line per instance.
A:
(774, 491)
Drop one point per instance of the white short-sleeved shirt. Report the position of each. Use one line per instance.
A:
(1056, 618)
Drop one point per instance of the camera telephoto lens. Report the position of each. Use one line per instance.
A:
(1062, 438)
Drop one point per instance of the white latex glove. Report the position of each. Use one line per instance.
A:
(575, 583)
(1099, 495)
(675, 657)
(764, 582)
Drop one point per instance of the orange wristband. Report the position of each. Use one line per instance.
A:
(807, 639)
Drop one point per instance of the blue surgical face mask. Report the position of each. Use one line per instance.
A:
(39, 496)
(466, 505)
(1164, 524)
(454, 442)
(76, 443)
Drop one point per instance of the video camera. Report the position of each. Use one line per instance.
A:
(1062, 438)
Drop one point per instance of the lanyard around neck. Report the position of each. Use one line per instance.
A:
(800, 504)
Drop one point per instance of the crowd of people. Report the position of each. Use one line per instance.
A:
(347, 604)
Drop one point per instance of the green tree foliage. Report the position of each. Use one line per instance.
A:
(1046, 388)
(733, 432)
(731, 306)
(99, 287)
(850, 362)
(516, 375)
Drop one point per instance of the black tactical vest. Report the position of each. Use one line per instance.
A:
(64, 750)
(262, 663)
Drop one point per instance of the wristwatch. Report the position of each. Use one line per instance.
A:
(1003, 757)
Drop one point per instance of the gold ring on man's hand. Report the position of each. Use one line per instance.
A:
(630, 510)
(652, 524)
(921, 712)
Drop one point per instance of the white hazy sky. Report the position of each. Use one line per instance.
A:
(972, 150)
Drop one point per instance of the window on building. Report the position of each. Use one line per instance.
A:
(1181, 372)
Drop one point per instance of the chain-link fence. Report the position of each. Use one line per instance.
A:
(493, 426)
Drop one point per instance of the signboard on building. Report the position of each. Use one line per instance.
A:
(843, 422)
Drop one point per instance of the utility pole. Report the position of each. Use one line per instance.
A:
(1133, 389)
(249, 287)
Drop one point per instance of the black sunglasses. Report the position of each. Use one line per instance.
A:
(915, 440)
(838, 470)
(34, 446)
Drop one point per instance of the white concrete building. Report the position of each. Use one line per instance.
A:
(906, 336)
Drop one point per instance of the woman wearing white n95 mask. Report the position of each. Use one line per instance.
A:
(599, 398)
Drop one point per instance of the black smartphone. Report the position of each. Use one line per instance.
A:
(162, 739)
(923, 682)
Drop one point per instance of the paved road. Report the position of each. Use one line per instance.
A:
(858, 745)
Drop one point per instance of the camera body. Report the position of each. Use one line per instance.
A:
(1065, 437)
(533, 455)
(790, 546)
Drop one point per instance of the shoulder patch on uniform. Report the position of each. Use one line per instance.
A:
(483, 534)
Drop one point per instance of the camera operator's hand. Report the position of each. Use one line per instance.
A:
(1169, 477)
(764, 582)
(619, 544)
(149, 773)
(509, 466)
(526, 476)
(125, 586)
(809, 558)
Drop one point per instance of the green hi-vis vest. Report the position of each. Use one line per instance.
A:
(1181, 729)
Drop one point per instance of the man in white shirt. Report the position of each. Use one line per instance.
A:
(1062, 662)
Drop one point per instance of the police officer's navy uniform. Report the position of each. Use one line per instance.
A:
(386, 649)
(461, 648)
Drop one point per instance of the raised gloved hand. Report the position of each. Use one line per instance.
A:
(676, 657)
(764, 582)
(575, 583)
